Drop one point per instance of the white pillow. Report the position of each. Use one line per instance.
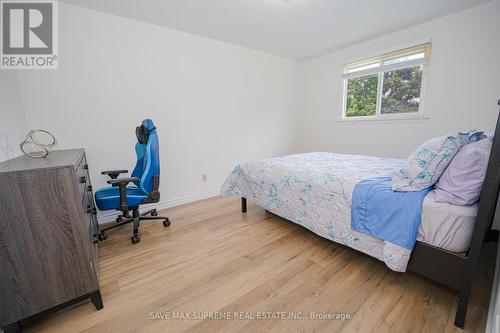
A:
(426, 164)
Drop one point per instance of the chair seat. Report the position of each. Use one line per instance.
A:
(108, 198)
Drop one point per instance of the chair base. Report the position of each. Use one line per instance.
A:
(135, 219)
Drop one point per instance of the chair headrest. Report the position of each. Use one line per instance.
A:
(142, 132)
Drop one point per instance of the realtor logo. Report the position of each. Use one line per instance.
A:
(29, 34)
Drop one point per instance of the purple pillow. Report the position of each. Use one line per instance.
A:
(460, 184)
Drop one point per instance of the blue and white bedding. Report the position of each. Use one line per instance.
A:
(315, 190)
(380, 212)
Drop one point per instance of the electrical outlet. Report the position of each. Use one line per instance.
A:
(204, 177)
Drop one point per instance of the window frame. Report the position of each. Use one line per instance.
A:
(420, 115)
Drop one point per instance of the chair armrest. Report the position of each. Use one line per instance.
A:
(113, 173)
(123, 181)
(122, 184)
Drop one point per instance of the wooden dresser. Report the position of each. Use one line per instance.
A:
(48, 236)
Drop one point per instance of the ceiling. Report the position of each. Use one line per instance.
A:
(298, 29)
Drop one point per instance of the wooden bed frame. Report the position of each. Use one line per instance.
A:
(449, 268)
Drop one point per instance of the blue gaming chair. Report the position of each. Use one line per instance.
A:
(145, 179)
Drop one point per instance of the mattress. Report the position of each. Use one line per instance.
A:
(315, 190)
(447, 226)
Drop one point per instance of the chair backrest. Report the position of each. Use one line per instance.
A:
(147, 150)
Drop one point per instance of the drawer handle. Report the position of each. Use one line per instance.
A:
(86, 166)
(89, 188)
(83, 179)
(89, 210)
(94, 211)
(95, 239)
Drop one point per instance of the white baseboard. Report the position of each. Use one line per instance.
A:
(111, 216)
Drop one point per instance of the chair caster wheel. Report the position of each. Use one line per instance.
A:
(166, 223)
(135, 239)
(154, 213)
(103, 236)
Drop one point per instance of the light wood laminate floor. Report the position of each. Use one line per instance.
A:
(215, 259)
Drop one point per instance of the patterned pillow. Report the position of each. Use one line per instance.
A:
(426, 164)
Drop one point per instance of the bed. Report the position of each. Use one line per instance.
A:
(315, 191)
(446, 226)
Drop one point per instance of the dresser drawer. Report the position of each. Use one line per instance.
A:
(89, 213)
(82, 176)
(89, 209)
(83, 179)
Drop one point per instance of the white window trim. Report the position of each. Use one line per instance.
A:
(415, 116)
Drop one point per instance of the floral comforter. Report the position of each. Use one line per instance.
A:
(315, 191)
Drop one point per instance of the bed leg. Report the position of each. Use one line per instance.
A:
(243, 205)
(463, 302)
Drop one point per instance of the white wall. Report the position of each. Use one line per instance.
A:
(462, 92)
(214, 104)
(210, 99)
(13, 127)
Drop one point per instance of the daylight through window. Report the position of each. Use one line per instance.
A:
(386, 86)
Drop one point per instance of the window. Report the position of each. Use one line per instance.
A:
(388, 86)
